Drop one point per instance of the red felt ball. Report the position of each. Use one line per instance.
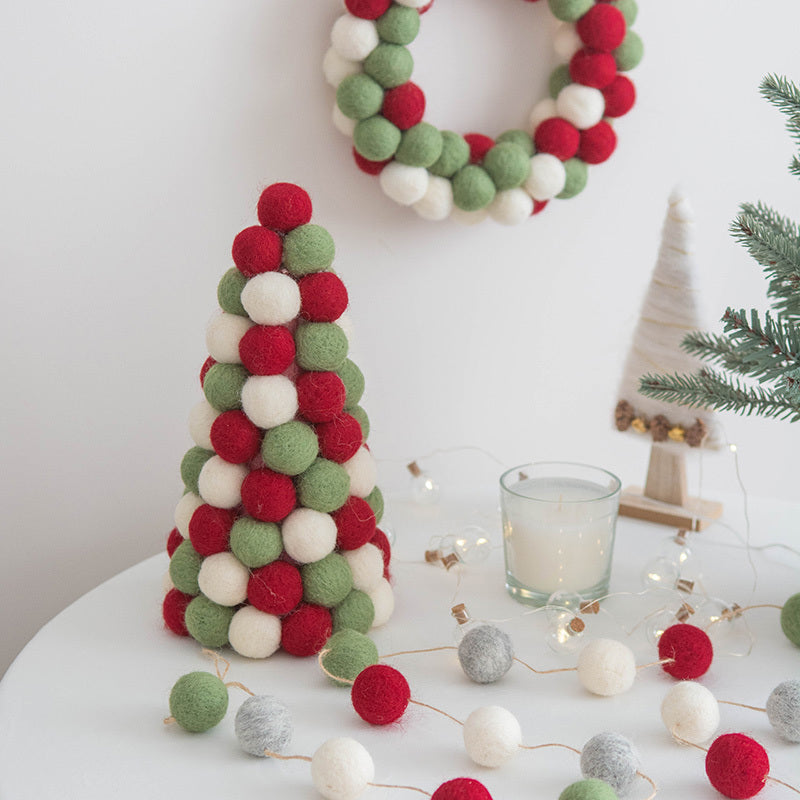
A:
(539, 206)
(381, 541)
(256, 250)
(320, 396)
(380, 694)
(367, 9)
(276, 588)
(210, 529)
(207, 364)
(597, 143)
(370, 167)
(173, 540)
(602, 27)
(267, 349)
(173, 610)
(737, 766)
(355, 524)
(479, 146)
(305, 631)
(592, 68)
(234, 437)
(462, 789)
(620, 95)
(284, 206)
(268, 496)
(323, 297)
(557, 137)
(404, 106)
(690, 648)
(340, 438)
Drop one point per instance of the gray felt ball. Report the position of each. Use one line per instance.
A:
(486, 654)
(612, 758)
(263, 723)
(783, 710)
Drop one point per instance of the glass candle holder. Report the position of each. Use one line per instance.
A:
(559, 521)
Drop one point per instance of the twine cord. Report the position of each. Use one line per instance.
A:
(549, 744)
(240, 686)
(411, 652)
(280, 757)
(333, 677)
(659, 663)
(398, 786)
(217, 659)
(437, 710)
(742, 705)
(544, 671)
(651, 782)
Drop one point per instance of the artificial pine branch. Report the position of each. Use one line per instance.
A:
(785, 95)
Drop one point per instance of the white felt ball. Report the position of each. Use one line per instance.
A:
(342, 123)
(366, 564)
(223, 579)
(413, 3)
(341, 769)
(404, 184)
(166, 583)
(492, 736)
(354, 38)
(566, 41)
(336, 69)
(606, 667)
(186, 507)
(581, 105)
(362, 471)
(271, 298)
(437, 202)
(543, 110)
(468, 217)
(346, 324)
(382, 598)
(220, 482)
(223, 335)
(269, 400)
(253, 633)
(511, 207)
(201, 418)
(691, 712)
(547, 178)
(308, 535)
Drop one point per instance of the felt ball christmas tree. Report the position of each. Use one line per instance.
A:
(669, 311)
(276, 543)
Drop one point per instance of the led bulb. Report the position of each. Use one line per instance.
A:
(424, 490)
(472, 546)
(660, 573)
(725, 625)
(565, 631)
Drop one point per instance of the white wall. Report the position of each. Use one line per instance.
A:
(136, 138)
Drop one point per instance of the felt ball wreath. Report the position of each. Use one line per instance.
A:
(442, 174)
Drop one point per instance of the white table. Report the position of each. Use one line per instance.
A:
(81, 708)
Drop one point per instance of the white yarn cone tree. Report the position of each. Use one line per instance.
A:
(669, 311)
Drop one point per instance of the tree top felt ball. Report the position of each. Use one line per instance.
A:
(321, 346)
(356, 611)
(308, 248)
(305, 631)
(349, 652)
(276, 588)
(253, 633)
(208, 622)
(284, 207)
(380, 694)
(399, 25)
(173, 609)
(323, 297)
(198, 701)
(790, 619)
(257, 250)
(324, 486)
(321, 395)
(290, 448)
(184, 567)
(689, 647)
(341, 769)
(268, 496)
(485, 654)
(353, 380)
(263, 723)
(229, 292)
(737, 766)
(328, 581)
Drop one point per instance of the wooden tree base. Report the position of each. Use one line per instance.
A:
(695, 515)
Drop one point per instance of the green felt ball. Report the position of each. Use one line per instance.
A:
(208, 622)
(570, 10)
(255, 543)
(229, 292)
(518, 137)
(375, 501)
(223, 386)
(348, 653)
(455, 154)
(630, 52)
(473, 189)
(508, 165)
(184, 567)
(790, 619)
(324, 486)
(328, 581)
(320, 346)
(399, 25)
(376, 139)
(359, 97)
(588, 789)
(577, 175)
(353, 380)
(363, 420)
(290, 448)
(356, 612)
(420, 145)
(198, 701)
(308, 248)
(559, 78)
(191, 464)
(628, 8)
(389, 64)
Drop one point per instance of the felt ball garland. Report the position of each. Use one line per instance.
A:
(280, 483)
(443, 174)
